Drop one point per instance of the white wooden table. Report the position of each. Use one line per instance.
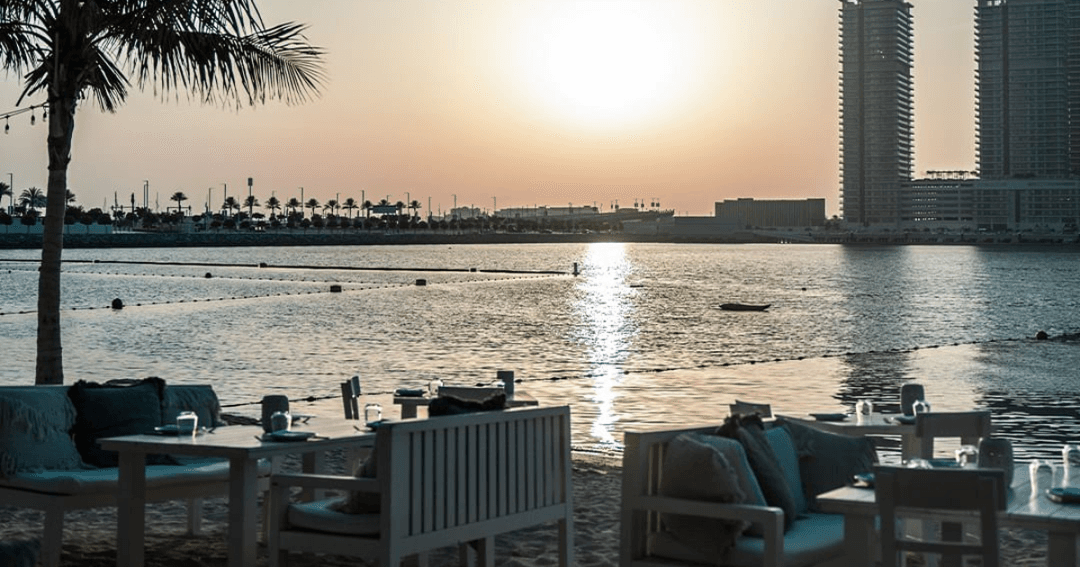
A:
(238, 444)
(877, 424)
(1060, 521)
(410, 403)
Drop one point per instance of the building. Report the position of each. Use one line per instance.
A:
(690, 228)
(876, 131)
(1028, 56)
(962, 202)
(749, 213)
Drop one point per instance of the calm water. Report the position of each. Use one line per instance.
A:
(635, 340)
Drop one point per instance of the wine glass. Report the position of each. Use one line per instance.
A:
(372, 413)
(863, 410)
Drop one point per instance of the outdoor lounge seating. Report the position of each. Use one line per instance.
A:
(437, 482)
(968, 426)
(41, 467)
(679, 499)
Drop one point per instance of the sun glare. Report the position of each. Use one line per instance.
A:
(606, 61)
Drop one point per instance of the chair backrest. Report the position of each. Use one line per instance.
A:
(350, 397)
(443, 475)
(469, 393)
(748, 408)
(969, 426)
(939, 494)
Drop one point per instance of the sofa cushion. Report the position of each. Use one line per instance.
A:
(810, 540)
(780, 441)
(199, 398)
(35, 425)
(736, 457)
(113, 409)
(326, 516)
(829, 460)
(103, 480)
(453, 405)
(749, 430)
(698, 471)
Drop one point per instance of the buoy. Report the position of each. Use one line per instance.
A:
(421, 282)
(117, 303)
(576, 272)
(335, 288)
(262, 264)
(1041, 336)
(208, 276)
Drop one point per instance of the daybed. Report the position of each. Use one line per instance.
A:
(741, 498)
(49, 459)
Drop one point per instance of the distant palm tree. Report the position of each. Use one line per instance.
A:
(400, 206)
(414, 206)
(251, 202)
(70, 197)
(332, 204)
(312, 204)
(367, 208)
(350, 205)
(179, 197)
(293, 204)
(230, 204)
(5, 191)
(70, 52)
(273, 204)
(32, 198)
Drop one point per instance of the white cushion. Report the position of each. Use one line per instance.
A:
(320, 515)
(105, 480)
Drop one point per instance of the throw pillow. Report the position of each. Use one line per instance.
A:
(35, 426)
(112, 409)
(750, 432)
(359, 502)
(450, 405)
(784, 448)
(736, 457)
(698, 471)
(199, 398)
(829, 460)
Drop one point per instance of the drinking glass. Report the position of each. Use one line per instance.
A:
(920, 406)
(1042, 476)
(280, 421)
(918, 464)
(372, 413)
(433, 387)
(1070, 457)
(863, 410)
(967, 456)
(187, 423)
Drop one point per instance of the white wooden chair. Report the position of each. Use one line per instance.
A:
(441, 482)
(939, 494)
(969, 426)
(350, 398)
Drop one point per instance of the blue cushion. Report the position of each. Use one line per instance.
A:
(784, 449)
(767, 470)
(105, 410)
(35, 425)
(829, 460)
(810, 540)
(736, 457)
(199, 398)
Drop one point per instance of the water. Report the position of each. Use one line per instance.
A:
(636, 340)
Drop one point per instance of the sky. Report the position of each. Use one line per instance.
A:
(523, 103)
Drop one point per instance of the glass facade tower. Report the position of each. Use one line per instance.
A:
(876, 131)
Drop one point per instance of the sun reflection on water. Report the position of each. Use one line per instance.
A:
(605, 308)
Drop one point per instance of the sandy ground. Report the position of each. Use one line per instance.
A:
(90, 535)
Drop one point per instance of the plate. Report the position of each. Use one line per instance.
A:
(409, 392)
(1064, 495)
(829, 416)
(944, 463)
(373, 425)
(289, 436)
(863, 480)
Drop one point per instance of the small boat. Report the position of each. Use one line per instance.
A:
(743, 307)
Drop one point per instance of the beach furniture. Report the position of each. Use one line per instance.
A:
(42, 468)
(437, 482)
(910, 494)
(409, 404)
(350, 398)
(692, 496)
(968, 426)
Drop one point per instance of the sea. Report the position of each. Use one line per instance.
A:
(630, 335)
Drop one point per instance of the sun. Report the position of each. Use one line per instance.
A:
(606, 61)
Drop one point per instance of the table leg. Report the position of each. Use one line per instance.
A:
(1062, 549)
(243, 531)
(131, 509)
(408, 411)
(859, 540)
(313, 462)
(910, 447)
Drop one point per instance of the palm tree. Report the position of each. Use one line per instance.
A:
(179, 197)
(350, 205)
(293, 204)
(273, 204)
(68, 51)
(400, 205)
(5, 191)
(251, 202)
(367, 208)
(312, 204)
(230, 204)
(332, 204)
(32, 198)
(415, 206)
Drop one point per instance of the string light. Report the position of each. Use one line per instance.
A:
(33, 115)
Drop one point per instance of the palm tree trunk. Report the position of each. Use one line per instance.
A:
(50, 363)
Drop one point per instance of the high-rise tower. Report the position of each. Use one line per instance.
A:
(1029, 88)
(876, 108)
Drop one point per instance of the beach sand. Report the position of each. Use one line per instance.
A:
(90, 535)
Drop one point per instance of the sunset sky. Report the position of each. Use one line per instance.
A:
(512, 103)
